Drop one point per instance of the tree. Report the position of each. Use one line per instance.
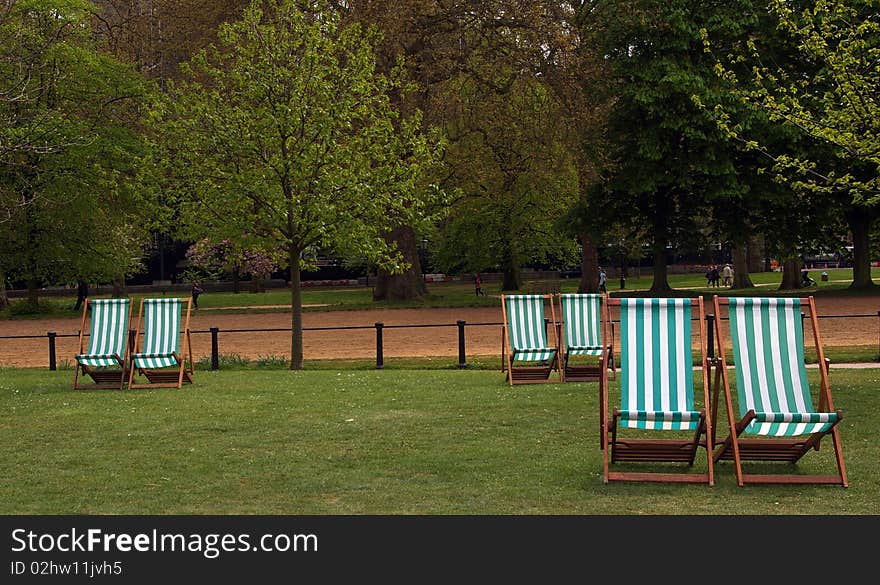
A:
(515, 177)
(671, 164)
(214, 260)
(829, 94)
(69, 146)
(284, 132)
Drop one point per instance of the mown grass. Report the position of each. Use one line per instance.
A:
(364, 442)
(449, 294)
(837, 355)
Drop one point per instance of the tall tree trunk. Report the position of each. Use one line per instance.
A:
(119, 287)
(756, 254)
(589, 266)
(741, 277)
(296, 335)
(661, 278)
(33, 292)
(236, 280)
(791, 275)
(661, 273)
(4, 298)
(510, 273)
(409, 284)
(860, 221)
(33, 285)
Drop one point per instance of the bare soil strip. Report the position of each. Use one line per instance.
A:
(361, 343)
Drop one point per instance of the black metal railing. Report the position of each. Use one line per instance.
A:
(379, 328)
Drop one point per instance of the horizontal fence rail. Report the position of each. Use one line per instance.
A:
(379, 327)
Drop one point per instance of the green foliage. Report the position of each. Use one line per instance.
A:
(836, 104)
(671, 164)
(514, 175)
(226, 361)
(69, 149)
(284, 135)
(283, 138)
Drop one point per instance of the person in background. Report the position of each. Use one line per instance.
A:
(806, 279)
(603, 280)
(726, 275)
(82, 291)
(715, 277)
(478, 285)
(196, 291)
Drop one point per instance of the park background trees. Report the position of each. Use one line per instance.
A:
(69, 144)
(826, 91)
(572, 132)
(283, 137)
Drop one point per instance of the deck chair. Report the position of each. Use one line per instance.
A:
(656, 392)
(773, 394)
(524, 339)
(160, 358)
(105, 360)
(583, 334)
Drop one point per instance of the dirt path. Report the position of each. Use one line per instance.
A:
(361, 343)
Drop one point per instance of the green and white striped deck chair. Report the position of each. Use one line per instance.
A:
(657, 390)
(582, 316)
(105, 359)
(773, 394)
(526, 353)
(160, 357)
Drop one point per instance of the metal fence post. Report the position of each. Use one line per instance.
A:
(380, 358)
(215, 348)
(710, 329)
(462, 358)
(52, 363)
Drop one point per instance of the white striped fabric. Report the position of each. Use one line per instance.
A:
(161, 334)
(656, 365)
(526, 330)
(108, 333)
(582, 318)
(768, 351)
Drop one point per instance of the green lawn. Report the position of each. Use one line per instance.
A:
(450, 294)
(359, 442)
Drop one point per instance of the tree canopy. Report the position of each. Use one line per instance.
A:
(283, 135)
(69, 149)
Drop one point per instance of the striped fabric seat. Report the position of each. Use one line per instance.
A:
(768, 339)
(161, 334)
(527, 332)
(657, 365)
(108, 334)
(582, 317)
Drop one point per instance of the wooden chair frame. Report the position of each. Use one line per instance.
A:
(586, 373)
(104, 379)
(165, 377)
(528, 374)
(618, 449)
(790, 449)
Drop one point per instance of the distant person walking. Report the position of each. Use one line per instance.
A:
(196, 291)
(727, 275)
(478, 285)
(82, 291)
(603, 280)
